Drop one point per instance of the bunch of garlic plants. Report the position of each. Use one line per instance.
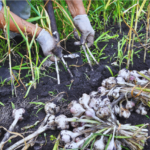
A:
(90, 123)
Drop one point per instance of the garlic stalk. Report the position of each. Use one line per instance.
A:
(99, 144)
(50, 125)
(17, 114)
(74, 145)
(112, 145)
(79, 129)
(76, 109)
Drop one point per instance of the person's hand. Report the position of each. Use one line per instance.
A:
(47, 43)
(83, 24)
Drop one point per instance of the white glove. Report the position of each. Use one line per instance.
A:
(83, 24)
(46, 41)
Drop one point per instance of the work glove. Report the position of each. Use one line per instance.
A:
(83, 24)
(47, 43)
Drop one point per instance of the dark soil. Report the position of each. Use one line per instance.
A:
(84, 81)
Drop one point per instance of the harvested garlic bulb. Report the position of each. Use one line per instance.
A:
(76, 109)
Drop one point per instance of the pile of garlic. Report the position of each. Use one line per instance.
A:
(94, 116)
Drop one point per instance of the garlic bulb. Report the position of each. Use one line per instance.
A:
(95, 103)
(91, 114)
(120, 80)
(105, 101)
(126, 113)
(141, 110)
(61, 122)
(112, 145)
(99, 144)
(124, 73)
(130, 104)
(76, 109)
(68, 136)
(84, 100)
(51, 108)
(103, 112)
(109, 83)
(102, 90)
(93, 94)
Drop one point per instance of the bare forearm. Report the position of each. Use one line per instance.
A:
(30, 28)
(76, 7)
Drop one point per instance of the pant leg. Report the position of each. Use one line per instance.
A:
(20, 7)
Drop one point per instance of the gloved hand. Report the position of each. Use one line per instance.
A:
(47, 43)
(83, 24)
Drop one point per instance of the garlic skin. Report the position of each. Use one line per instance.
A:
(61, 122)
(84, 100)
(51, 108)
(124, 73)
(76, 109)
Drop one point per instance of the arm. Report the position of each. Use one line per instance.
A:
(45, 40)
(81, 22)
(76, 7)
(30, 28)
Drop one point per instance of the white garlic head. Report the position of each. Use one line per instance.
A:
(76, 109)
(61, 122)
(103, 113)
(124, 73)
(51, 108)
